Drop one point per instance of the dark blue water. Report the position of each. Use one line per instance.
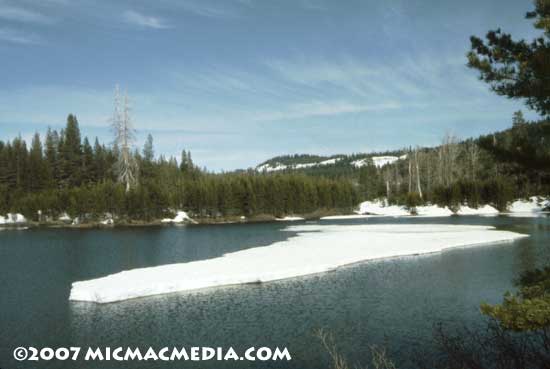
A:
(393, 302)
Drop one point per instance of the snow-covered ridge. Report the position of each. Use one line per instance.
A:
(279, 166)
(315, 249)
(378, 161)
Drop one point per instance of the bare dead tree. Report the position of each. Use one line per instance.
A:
(418, 186)
(472, 151)
(410, 171)
(448, 153)
(126, 166)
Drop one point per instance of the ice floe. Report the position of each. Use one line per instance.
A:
(315, 249)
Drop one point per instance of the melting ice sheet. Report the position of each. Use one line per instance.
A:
(315, 249)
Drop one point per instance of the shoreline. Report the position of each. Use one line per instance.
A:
(260, 218)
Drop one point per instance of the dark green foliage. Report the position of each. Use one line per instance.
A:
(413, 200)
(528, 309)
(69, 175)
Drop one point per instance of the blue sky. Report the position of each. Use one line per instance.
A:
(239, 81)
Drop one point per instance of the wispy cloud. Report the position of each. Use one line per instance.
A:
(18, 14)
(17, 37)
(323, 108)
(147, 21)
(205, 8)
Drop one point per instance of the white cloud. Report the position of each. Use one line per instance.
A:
(146, 21)
(323, 108)
(17, 37)
(19, 14)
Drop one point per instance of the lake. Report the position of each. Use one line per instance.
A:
(393, 302)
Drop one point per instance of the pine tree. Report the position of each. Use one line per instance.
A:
(37, 169)
(88, 169)
(72, 153)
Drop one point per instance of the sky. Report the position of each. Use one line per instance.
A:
(239, 81)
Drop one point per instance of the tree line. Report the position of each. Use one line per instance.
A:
(65, 173)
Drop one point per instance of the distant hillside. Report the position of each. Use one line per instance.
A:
(316, 163)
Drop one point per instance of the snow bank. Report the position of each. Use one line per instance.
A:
(315, 249)
(13, 218)
(180, 217)
(352, 216)
(483, 210)
(433, 211)
(380, 207)
(289, 219)
(525, 208)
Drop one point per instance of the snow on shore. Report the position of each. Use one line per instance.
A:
(13, 218)
(483, 210)
(352, 216)
(380, 207)
(433, 211)
(529, 208)
(181, 217)
(315, 249)
(289, 219)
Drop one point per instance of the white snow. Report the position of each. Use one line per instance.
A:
(528, 208)
(360, 163)
(108, 221)
(280, 166)
(433, 211)
(378, 161)
(181, 217)
(483, 210)
(352, 216)
(65, 217)
(380, 207)
(269, 168)
(315, 249)
(13, 218)
(289, 219)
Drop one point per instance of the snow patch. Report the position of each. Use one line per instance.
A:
(279, 166)
(289, 219)
(65, 217)
(433, 211)
(352, 216)
(315, 249)
(380, 207)
(378, 161)
(181, 217)
(483, 210)
(527, 208)
(13, 218)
